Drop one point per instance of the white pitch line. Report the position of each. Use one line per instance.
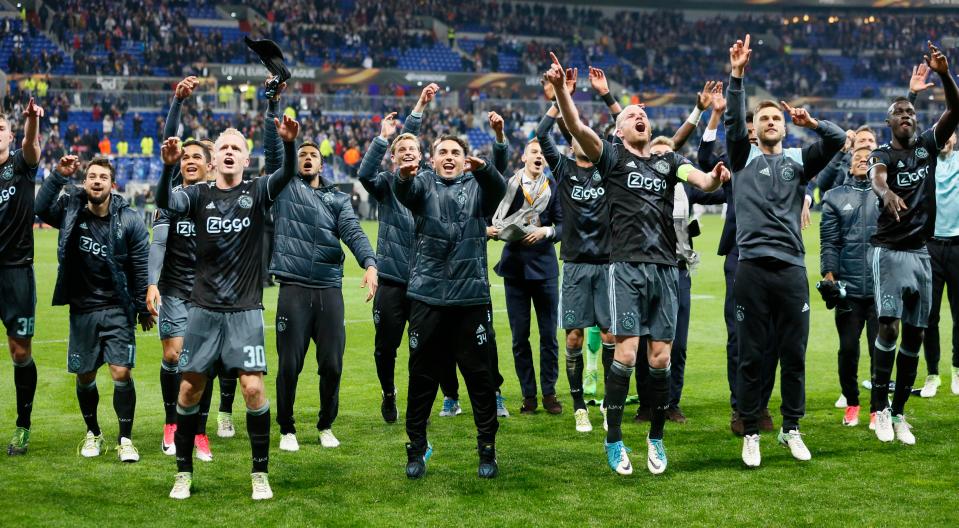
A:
(152, 334)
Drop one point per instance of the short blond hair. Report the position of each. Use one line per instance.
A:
(401, 137)
(663, 140)
(231, 132)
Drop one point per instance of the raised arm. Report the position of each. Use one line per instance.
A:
(31, 134)
(918, 82)
(49, 205)
(500, 146)
(950, 118)
(544, 134)
(183, 90)
(737, 136)
(590, 142)
(374, 181)
(597, 79)
(705, 156)
(278, 180)
(415, 119)
(272, 144)
(551, 97)
(815, 157)
(703, 100)
(491, 183)
(178, 202)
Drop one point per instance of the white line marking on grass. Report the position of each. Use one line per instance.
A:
(152, 334)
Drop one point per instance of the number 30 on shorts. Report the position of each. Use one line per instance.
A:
(255, 357)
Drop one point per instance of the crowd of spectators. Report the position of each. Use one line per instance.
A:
(134, 37)
(664, 49)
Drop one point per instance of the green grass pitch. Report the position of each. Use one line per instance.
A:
(550, 475)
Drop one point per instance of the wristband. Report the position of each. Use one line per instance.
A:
(608, 99)
(694, 116)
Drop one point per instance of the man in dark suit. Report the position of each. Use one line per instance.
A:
(529, 219)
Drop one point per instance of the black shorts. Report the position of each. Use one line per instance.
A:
(103, 336)
(644, 300)
(18, 300)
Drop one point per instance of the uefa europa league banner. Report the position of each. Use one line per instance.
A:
(358, 76)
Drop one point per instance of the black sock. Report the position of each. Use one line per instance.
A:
(227, 392)
(124, 403)
(89, 398)
(906, 365)
(659, 400)
(25, 381)
(186, 420)
(608, 351)
(574, 373)
(258, 427)
(205, 400)
(885, 357)
(617, 386)
(169, 389)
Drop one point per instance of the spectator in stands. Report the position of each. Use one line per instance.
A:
(326, 149)
(352, 158)
(146, 146)
(107, 125)
(137, 125)
(104, 146)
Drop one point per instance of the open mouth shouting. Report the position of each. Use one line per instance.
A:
(449, 166)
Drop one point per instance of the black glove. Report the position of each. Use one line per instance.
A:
(832, 292)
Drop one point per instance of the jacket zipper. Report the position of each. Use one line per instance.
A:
(865, 245)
